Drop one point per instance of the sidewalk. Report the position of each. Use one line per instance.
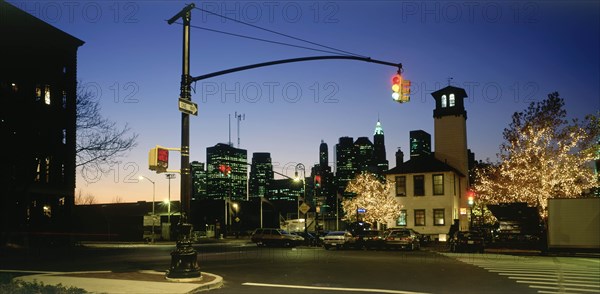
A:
(125, 282)
(134, 282)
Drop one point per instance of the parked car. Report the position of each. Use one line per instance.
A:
(338, 239)
(368, 239)
(275, 237)
(423, 239)
(402, 238)
(309, 238)
(467, 241)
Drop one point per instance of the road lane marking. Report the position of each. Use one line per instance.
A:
(331, 288)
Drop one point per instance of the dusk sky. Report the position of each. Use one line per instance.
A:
(505, 55)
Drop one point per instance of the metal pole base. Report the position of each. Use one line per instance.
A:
(184, 261)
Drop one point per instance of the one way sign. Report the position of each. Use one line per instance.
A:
(187, 106)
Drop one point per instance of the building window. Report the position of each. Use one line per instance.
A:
(451, 101)
(400, 186)
(64, 99)
(47, 94)
(38, 92)
(438, 184)
(419, 217)
(439, 217)
(419, 185)
(444, 102)
(401, 221)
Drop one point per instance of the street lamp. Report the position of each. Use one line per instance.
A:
(153, 198)
(300, 166)
(169, 177)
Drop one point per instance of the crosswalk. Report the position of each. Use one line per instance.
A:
(545, 274)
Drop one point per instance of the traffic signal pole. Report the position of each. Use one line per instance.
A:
(184, 259)
(184, 265)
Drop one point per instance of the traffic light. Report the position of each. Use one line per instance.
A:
(317, 181)
(470, 198)
(400, 89)
(396, 87)
(225, 169)
(158, 159)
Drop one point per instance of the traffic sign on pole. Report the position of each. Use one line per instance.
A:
(187, 106)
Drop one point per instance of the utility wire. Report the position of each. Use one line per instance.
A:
(264, 40)
(281, 34)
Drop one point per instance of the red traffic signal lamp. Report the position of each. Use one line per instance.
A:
(225, 169)
(400, 89)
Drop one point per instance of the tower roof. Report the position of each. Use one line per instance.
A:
(449, 101)
(378, 128)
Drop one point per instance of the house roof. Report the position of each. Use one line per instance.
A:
(423, 164)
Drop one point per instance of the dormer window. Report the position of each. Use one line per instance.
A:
(452, 100)
(444, 102)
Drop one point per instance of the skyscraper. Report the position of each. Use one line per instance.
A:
(420, 143)
(226, 172)
(379, 157)
(261, 174)
(344, 158)
(364, 155)
(323, 154)
(325, 189)
(198, 180)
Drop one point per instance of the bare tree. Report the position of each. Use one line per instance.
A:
(117, 199)
(100, 142)
(86, 199)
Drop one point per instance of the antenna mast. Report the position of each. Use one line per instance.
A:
(239, 117)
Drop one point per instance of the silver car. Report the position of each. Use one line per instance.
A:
(338, 239)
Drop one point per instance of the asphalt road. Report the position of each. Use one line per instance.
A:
(246, 268)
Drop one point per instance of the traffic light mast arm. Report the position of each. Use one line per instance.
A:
(292, 60)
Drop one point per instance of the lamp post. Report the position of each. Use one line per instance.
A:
(169, 177)
(153, 199)
(300, 166)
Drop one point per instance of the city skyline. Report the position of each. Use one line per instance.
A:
(503, 55)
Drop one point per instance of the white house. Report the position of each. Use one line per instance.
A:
(433, 188)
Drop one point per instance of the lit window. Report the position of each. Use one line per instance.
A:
(444, 101)
(438, 184)
(64, 99)
(438, 217)
(47, 169)
(400, 186)
(64, 136)
(38, 93)
(47, 95)
(47, 210)
(38, 170)
(401, 221)
(419, 217)
(451, 101)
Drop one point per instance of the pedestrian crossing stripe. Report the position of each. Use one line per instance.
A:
(544, 275)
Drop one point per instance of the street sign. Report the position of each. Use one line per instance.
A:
(187, 106)
(361, 210)
(304, 208)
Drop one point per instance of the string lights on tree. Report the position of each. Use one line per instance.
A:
(544, 156)
(374, 197)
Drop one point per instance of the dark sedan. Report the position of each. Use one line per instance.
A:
(467, 241)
